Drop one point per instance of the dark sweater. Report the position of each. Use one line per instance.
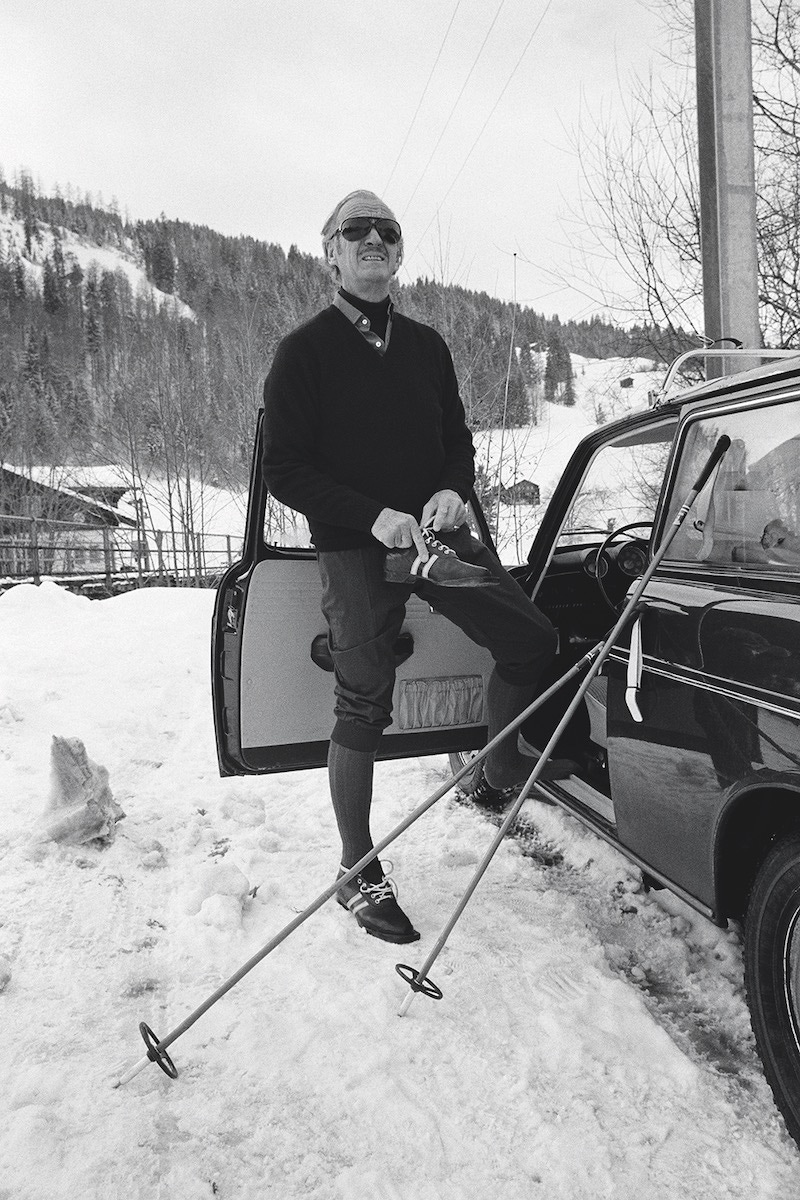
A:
(349, 431)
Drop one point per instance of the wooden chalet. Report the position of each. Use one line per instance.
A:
(47, 529)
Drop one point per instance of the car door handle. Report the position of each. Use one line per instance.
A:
(633, 682)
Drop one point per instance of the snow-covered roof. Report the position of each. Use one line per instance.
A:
(42, 477)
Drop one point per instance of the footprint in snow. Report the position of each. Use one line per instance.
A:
(561, 986)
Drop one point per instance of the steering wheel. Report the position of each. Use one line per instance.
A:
(615, 533)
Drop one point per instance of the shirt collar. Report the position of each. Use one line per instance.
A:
(361, 322)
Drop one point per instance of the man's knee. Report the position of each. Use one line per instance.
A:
(358, 734)
(365, 676)
(533, 655)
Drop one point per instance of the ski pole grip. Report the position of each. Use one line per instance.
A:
(722, 447)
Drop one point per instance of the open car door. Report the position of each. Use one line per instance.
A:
(272, 675)
(593, 542)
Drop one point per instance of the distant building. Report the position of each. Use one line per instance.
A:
(41, 526)
(524, 491)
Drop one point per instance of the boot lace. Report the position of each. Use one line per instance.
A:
(385, 890)
(433, 543)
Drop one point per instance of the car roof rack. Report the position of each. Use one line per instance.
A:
(663, 396)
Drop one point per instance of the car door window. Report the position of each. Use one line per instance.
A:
(284, 528)
(749, 519)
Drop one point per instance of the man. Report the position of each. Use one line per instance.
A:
(365, 435)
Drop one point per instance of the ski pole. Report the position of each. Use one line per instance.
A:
(419, 981)
(157, 1048)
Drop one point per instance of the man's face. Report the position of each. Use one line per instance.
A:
(366, 267)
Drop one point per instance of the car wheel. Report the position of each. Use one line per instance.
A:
(772, 974)
(458, 760)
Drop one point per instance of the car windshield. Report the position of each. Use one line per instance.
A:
(621, 485)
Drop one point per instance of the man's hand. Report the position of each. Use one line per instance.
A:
(445, 510)
(399, 529)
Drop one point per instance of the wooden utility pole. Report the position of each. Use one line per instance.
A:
(727, 174)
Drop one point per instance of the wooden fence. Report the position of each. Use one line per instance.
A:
(103, 559)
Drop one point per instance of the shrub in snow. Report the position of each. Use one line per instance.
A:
(81, 807)
(5, 973)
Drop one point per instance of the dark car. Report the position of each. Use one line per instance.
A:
(686, 747)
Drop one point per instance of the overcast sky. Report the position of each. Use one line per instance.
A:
(256, 116)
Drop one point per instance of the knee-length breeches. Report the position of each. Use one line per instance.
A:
(365, 615)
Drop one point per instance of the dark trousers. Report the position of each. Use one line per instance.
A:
(365, 615)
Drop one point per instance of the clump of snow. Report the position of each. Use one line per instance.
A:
(217, 885)
(81, 806)
(593, 1040)
(153, 854)
(241, 806)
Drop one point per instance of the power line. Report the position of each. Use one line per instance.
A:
(455, 105)
(488, 119)
(422, 97)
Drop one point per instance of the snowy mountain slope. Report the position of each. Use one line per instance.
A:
(106, 258)
(592, 1042)
(540, 452)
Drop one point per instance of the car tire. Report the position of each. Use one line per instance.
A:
(772, 973)
(458, 760)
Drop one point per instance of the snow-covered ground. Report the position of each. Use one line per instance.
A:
(592, 1042)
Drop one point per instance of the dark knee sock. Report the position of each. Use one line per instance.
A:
(505, 766)
(350, 777)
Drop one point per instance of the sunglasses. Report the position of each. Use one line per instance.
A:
(356, 228)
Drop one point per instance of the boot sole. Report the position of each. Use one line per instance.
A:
(398, 939)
